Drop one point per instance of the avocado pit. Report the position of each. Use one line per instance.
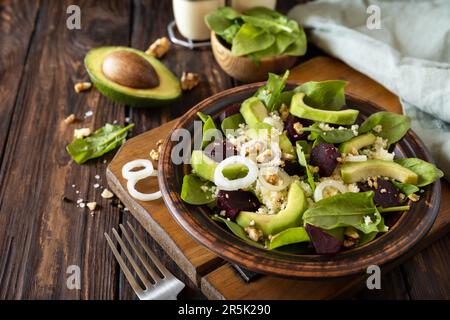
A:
(130, 70)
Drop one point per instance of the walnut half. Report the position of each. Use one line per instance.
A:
(189, 80)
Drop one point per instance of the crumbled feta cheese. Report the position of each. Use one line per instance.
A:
(325, 126)
(81, 133)
(92, 205)
(88, 114)
(378, 128)
(367, 220)
(378, 151)
(106, 194)
(354, 129)
(353, 187)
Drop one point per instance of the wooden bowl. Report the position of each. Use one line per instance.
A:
(244, 69)
(407, 231)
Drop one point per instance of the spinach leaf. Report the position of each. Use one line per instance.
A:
(405, 188)
(271, 91)
(222, 21)
(237, 230)
(345, 210)
(230, 32)
(300, 146)
(393, 126)
(367, 237)
(196, 191)
(100, 142)
(288, 236)
(330, 136)
(427, 172)
(250, 39)
(232, 122)
(326, 95)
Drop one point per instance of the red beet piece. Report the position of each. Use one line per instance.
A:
(289, 127)
(386, 194)
(220, 150)
(324, 156)
(323, 242)
(234, 202)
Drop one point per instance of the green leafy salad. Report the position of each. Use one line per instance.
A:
(258, 32)
(296, 167)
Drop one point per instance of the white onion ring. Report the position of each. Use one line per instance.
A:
(281, 174)
(318, 193)
(131, 186)
(359, 158)
(140, 174)
(223, 183)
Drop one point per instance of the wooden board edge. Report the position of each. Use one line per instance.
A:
(154, 229)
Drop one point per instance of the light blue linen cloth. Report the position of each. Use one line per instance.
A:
(409, 54)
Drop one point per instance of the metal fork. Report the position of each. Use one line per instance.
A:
(166, 287)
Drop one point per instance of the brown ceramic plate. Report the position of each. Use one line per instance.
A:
(408, 230)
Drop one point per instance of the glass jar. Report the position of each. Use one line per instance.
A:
(242, 5)
(190, 17)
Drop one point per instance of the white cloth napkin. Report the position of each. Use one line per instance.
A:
(409, 55)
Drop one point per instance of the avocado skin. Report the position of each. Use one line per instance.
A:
(128, 98)
(287, 218)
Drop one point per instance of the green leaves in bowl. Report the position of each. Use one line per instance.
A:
(100, 142)
(258, 32)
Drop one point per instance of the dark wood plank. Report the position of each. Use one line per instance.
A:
(42, 235)
(17, 24)
(427, 273)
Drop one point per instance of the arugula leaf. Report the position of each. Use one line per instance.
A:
(427, 172)
(271, 91)
(326, 95)
(330, 136)
(196, 191)
(405, 188)
(237, 230)
(393, 126)
(345, 210)
(100, 142)
(300, 146)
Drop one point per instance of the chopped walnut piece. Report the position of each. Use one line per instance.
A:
(284, 112)
(351, 233)
(298, 127)
(82, 86)
(106, 194)
(254, 233)
(81, 133)
(349, 243)
(189, 80)
(70, 119)
(159, 48)
(414, 197)
(154, 154)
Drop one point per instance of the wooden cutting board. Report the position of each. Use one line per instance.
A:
(216, 278)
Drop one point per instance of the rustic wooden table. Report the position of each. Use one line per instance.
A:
(41, 235)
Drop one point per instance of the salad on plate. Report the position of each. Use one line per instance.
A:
(299, 168)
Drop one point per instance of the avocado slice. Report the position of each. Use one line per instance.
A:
(356, 143)
(359, 171)
(300, 109)
(204, 167)
(254, 112)
(271, 224)
(167, 87)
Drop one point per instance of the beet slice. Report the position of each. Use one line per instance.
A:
(323, 242)
(293, 168)
(386, 194)
(234, 202)
(291, 132)
(220, 150)
(324, 156)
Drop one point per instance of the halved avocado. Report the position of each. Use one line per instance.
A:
(300, 109)
(359, 171)
(166, 90)
(271, 224)
(357, 143)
